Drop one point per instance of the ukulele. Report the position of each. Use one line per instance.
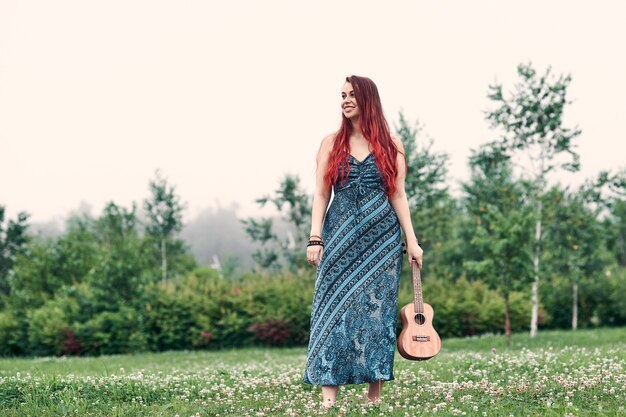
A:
(418, 339)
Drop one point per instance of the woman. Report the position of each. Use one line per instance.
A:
(358, 251)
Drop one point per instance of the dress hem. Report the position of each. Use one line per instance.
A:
(364, 381)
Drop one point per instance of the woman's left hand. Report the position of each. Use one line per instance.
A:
(414, 251)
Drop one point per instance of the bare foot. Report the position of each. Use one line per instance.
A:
(328, 404)
(373, 401)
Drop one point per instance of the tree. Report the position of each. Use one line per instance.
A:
(283, 252)
(427, 169)
(531, 121)
(616, 227)
(607, 195)
(12, 242)
(499, 226)
(48, 265)
(574, 240)
(432, 209)
(165, 215)
(121, 269)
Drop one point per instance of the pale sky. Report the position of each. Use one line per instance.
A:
(226, 97)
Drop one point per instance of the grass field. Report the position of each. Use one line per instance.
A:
(559, 373)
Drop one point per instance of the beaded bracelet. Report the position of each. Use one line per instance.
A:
(315, 243)
(312, 236)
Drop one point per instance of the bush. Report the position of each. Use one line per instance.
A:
(221, 313)
(203, 311)
(51, 327)
(168, 321)
(613, 311)
(112, 332)
(11, 336)
(71, 345)
(600, 300)
(46, 330)
(272, 333)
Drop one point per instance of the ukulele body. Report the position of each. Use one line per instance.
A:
(418, 339)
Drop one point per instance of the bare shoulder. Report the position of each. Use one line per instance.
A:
(396, 141)
(329, 140)
(327, 143)
(326, 146)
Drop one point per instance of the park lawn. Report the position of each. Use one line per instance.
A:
(559, 373)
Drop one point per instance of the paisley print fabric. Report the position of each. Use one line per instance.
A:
(353, 319)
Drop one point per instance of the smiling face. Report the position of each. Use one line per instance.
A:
(348, 102)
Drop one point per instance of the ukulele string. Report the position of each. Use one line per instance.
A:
(421, 301)
(418, 299)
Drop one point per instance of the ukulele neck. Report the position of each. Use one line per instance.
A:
(417, 288)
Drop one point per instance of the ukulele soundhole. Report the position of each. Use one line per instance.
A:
(419, 319)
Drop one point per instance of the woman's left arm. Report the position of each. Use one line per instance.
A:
(400, 204)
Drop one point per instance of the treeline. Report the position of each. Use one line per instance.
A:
(513, 252)
(68, 290)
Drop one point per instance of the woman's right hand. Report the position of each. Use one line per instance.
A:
(414, 251)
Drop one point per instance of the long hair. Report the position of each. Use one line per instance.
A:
(374, 128)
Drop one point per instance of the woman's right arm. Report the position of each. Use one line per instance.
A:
(321, 197)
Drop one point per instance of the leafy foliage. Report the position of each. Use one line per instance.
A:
(498, 227)
(607, 195)
(277, 253)
(498, 208)
(531, 120)
(164, 211)
(164, 208)
(432, 208)
(12, 242)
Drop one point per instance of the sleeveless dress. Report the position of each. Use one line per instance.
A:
(353, 318)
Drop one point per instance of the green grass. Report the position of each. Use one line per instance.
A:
(559, 373)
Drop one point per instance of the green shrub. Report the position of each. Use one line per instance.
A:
(613, 311)
(201, 310)
(46, 330)
(216, 313)
(112, 332)
(11, 335)
(168, 321)
(600, 300)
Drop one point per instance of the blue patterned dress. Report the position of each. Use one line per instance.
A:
(353, 319)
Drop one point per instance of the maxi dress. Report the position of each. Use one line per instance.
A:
(353, 319)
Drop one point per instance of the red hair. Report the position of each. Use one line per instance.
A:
(375, 129)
